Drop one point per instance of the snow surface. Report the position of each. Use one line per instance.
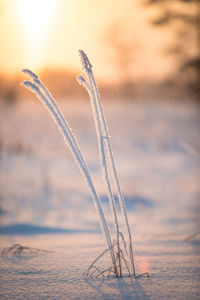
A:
(45, 202)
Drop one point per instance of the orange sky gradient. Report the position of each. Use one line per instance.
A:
(48, 33)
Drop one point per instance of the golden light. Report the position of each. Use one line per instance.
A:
(35, 17)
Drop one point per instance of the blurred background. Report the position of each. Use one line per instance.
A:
(139, 49)
(146, 59)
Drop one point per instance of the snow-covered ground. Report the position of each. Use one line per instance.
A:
(45, 202)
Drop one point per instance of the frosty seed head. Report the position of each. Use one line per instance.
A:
(30, 73)
(80, 79)
(85, 61)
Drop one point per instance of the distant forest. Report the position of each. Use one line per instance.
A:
(64, 86)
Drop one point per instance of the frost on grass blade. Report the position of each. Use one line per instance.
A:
(30, 85)
(85, 61)
(30, 73)
(81, 80)
(43, 94)
(106, 156)
(120, 264)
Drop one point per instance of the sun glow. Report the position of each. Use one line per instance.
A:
(35, 15)
(35, 18)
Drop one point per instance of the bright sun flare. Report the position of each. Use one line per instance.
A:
(35, 15)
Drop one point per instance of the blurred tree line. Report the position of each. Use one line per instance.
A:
(182, 18)
(179, 18)
(61, 82)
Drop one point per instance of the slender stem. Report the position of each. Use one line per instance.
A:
(52, 101)
(101, 140)
(67, 134)
(99, 117)
(115, 177)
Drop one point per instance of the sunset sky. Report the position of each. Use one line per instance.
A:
(48, 33)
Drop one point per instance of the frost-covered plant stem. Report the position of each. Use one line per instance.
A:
(103, 137)
(43, 94)
(107, 165)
